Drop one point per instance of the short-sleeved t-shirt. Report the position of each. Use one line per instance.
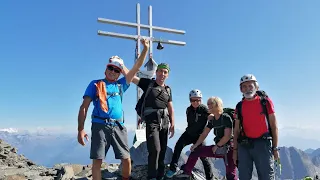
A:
(115, 110)
(218, 125)
(158, 97)
(254, 122)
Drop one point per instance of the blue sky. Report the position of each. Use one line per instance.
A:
(50, 51)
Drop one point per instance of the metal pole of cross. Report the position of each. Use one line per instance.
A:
(137, 37)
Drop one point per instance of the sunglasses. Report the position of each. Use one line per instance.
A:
(195, 100)
(111, 68)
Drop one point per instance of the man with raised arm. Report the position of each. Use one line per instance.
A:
(107, 127)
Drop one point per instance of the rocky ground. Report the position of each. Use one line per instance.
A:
(16, 167)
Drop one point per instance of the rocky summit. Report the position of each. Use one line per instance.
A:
(17, 167)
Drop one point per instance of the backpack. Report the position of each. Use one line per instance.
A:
(263, 100)
(230, 112)
(141, 102)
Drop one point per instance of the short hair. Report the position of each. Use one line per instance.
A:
(216, 101)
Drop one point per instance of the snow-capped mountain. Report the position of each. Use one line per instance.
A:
(47, 148)
(9, 130)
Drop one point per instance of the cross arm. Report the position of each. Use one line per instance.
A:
(135, 37)
(143, 26)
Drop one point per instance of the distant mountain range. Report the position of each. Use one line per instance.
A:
(48, 149)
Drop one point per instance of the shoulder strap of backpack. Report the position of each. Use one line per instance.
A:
(120, 94)
(120, 89)
(264, 101)
(168, 89)
(146, 94)
(239, 117)
(115, 94)
(221, 120)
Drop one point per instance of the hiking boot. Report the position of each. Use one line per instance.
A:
(171, 173)
(182, 174)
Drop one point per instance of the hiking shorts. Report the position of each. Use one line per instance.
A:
(103, 136)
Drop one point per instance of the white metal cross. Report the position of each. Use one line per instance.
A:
(137, 37)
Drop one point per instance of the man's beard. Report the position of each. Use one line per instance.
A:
(250, 94)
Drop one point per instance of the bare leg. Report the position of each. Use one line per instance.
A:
(96, 169)
(126, 168)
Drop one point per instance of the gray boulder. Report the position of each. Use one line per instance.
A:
(139, 154)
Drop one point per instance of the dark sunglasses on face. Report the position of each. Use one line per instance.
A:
(111, 68)
(195, 100)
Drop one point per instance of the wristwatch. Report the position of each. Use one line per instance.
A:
(275, 148)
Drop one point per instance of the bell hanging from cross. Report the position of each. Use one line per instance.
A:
(160, 47)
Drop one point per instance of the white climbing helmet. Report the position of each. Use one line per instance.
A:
(196, 93)
(248, 77)
(116, 61)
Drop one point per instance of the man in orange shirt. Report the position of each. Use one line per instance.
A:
(255, 132)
